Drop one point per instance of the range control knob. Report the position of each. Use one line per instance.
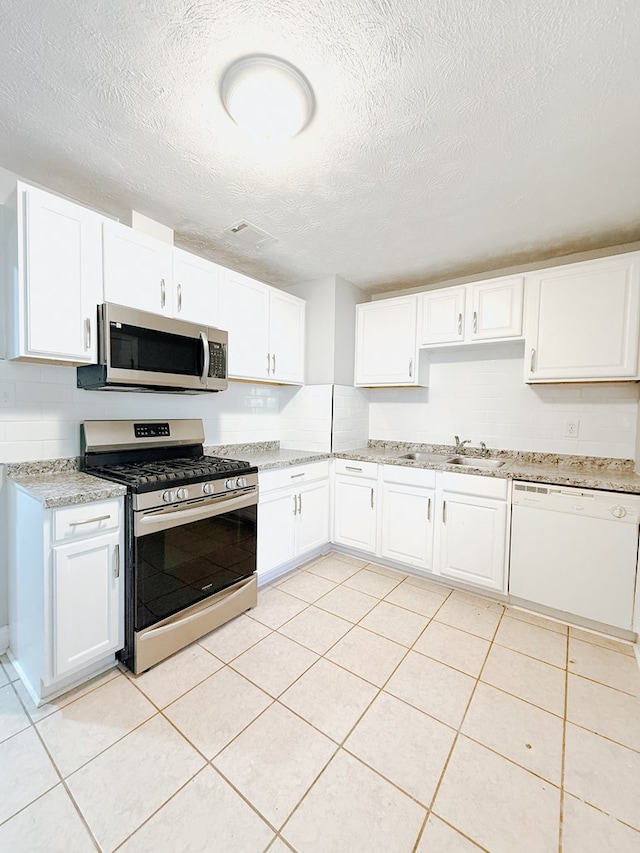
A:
(182, 494)
(168, 496)
(618, 511)
(208, 488)
(230, 484)
(242, 482)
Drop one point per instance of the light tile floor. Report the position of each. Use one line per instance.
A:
(355, 710)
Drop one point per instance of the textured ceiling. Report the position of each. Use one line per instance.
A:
(451, 136)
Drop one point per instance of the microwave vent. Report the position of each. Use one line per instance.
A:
(244, 235)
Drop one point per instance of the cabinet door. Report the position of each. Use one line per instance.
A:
(195, 289)
(62, 277)
(442, 317)
(137, 269)
(313, 517)
(472, 540)
(583, 321)
(277, 514)
(244, 313)
(286, 337)
(355, 513)
(386, 342)
(496, 309)
(407, 524)
(86, 602)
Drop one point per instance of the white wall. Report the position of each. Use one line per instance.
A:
(350, 418)
(478, 393)
(41, 410)
(305, 418)
(347, 297)
(320, 296)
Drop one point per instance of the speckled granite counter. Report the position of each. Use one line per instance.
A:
(58, 488)
(616, 475)
(266, 455)
(58, 482)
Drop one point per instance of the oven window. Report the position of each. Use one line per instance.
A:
(181, 566)
(135, 348)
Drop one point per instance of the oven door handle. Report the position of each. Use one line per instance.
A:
(155, 520)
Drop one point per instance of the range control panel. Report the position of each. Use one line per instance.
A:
(151, 430)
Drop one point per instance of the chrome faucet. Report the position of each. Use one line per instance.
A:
(484, 450)
(459, 448)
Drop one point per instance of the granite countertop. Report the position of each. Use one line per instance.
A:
(617, 475)
(57, 483)
(266, 455)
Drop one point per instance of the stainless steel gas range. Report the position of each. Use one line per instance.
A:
(191, 531)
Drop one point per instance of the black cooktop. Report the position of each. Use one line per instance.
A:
(149, 475)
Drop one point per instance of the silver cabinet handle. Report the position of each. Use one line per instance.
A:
(295, 504)
(444, 512)
(163, 293)
(475, 321)
(89, 520)
(116, 561)
(206, 361)
(372, 497)
(295, 476)
(179, 297)
(410, 368)
(268, 363)
(532, 363)
(352, 468)
(299, 504)
(459, 324)
(273, 358)
(87, 333)
(429, 509)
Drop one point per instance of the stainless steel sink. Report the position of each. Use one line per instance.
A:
(434, 458)
(474, 462)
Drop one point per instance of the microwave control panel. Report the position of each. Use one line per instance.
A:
(217, 360)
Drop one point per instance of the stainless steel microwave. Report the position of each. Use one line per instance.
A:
(139, 351)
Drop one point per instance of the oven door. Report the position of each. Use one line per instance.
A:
(187, 553)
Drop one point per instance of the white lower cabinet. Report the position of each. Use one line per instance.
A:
(446, 524)
(293, 514)
(472, 526)
(66, 592)
(355, 505)
(408, 510)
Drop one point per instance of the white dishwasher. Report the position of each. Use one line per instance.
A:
(575, 550)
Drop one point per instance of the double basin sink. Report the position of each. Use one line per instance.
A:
(462, 461)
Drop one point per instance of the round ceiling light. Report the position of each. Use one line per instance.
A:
(268, 97)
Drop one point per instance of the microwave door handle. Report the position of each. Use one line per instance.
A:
(206, 357)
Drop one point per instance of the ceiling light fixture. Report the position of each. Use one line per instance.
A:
(268, 97)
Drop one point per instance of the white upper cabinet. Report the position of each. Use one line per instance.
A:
(266, 330)
(442, 316)
(496, 309)
(386, 352)
(286, 337)
(482, 311)
(137, 269)
(55, 251)
(195, 289)
(582, 321)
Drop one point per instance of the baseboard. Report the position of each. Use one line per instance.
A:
(4, 638)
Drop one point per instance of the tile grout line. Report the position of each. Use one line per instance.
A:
(455, 741)
(564, 746)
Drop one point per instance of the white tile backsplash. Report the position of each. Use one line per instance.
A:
(350, 417)
(41, 410)
(305, 418)
(478, 393)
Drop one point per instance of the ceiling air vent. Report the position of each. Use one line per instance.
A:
(244, 235)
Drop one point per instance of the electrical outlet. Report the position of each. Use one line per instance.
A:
(571, 428)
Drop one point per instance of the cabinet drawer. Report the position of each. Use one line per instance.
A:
(474, 484)
(405, 475)
(353, 468)
(297, 475)
(76, 522)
